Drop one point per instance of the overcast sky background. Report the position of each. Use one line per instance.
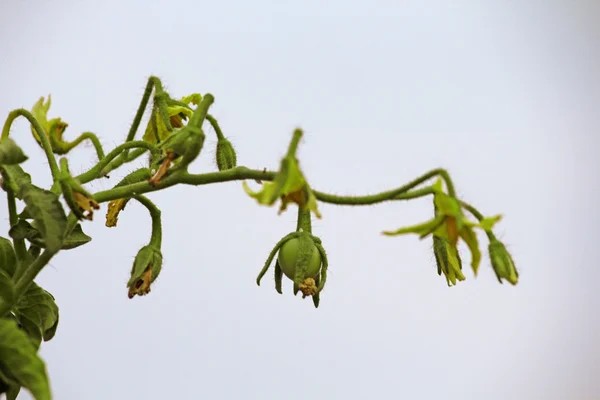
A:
(505, 95)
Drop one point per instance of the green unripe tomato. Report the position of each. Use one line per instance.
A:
(288, 253)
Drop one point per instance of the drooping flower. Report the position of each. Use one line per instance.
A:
(289, 186)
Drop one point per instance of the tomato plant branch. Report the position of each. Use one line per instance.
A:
(244, 173)
(387, 195)
(173, 145)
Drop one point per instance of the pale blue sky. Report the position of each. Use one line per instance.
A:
(505, 95)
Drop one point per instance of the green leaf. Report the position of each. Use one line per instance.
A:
(26, 230)
(20, 364)
(487, 224)
(7, 288)
(48, 214)
(23, 230)
(37, 313)
(15, 178)
(25, 214)
(76, 238)
(13, 392)
(10, 153)
(8, 258)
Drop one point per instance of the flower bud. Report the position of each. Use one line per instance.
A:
(448, 260)
(181, 148)
(502, 262)
(225, 156)
(116, 206)
(145, 270)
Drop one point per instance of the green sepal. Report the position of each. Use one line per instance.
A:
(424, 229)
(278, 277)
(324, 264)
(174, 111)
(316, 298)
(273, 253)
(448, 260)
(469, 236)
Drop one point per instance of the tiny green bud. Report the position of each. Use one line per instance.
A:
(502, 262)
(145, 270)
(225, 156)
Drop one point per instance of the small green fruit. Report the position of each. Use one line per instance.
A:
(289, 254)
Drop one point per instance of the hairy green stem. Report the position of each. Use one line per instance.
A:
(414, 194)
(123, 159)
(215, 126)
(388, 195)
(21, 112)
(201, 111)
(234, 174)
(479, 217)
(293, 147)
(99, 169)
(272, 255)
(65, 147)
(304, 220)
(243, 173)
(142, 108)
(156, 237)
